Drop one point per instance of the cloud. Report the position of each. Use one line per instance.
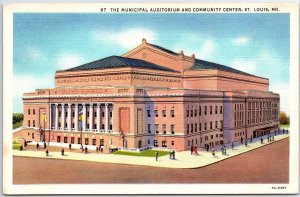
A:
(243, 40)
(284, 90)
(34, 54)
(245, 65)
(28, 83)
(207, 49)
(69, 60)
(127, 39)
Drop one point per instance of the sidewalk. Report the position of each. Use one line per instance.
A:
(184, 159)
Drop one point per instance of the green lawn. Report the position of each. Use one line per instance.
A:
(285, 126)
(17, 125)
(16, 145)
(145, 153)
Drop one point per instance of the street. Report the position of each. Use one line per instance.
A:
(268, 164)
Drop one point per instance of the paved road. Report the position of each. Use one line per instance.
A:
(269, 164)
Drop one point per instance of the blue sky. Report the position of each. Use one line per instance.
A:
(254, 43)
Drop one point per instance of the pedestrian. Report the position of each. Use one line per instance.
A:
(25, 143)
(156, 155)
(261, 140)
(170, 154)
(81, 147)
(101, 149)
(251, 139)
(85, 150)
(45, 146)
(268, 139)
(241, 140)
(246, 143)
(192, 150)
(195, 150)
(273, 138)
(70, 146)
(173, 153)
(232, 145)
(224, 150)
(207, 147)
(62, 152)
(37, 145)
(213, 152)
(47, 152)
(21, 147)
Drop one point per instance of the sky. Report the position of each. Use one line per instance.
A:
(44, 43)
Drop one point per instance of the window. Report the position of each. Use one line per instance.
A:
(200, 126)
(94, 142)
(211, 137)
(205, 110)
(195, 112)
(187, 113)
(156, 128)
(58, 139)
(206, 137)
(73, 114)
(210, 125)
(221, 109)
(95, 114)
(103, 114)
(172, 142)
(29, 111)
(216, 124)
(221, 123)
(94, 126)
(88, 114)
(164, 128)
(72, 140)
(216, 109)
(164, 143)
(164, 113)
(192, 130)
(110, 114)
(172, 113)
(33, 123)
(33, 111)
(110, 127)
(148, 141)
(156, 113)
(172, 129)
(191, 113)
(28, 123)
(86, 141)
(200, 110)
(210, 107)
(102, 126)
(155, 143)
(149, 128)
(59, 114)
(195, 127)
(101, 142)
(187, 128)
(188, 142)
(205, 126)
(65, 139)
(217, 135)
(196, 141)
(79, 141)
(148, 113)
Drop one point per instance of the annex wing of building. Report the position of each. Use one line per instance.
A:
(151, 97)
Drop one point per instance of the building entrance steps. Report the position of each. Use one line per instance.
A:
(183, 159)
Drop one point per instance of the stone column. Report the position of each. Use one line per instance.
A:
(50, 110)
(69, 117)
(63, 118)
(112, 116)
(56, 116)
(91, 117)
(76, 117)
(83, 118)
(98, 117)
(106, 117)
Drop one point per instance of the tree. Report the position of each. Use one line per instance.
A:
(283, 118)
(17, 117)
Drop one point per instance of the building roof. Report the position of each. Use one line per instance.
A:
(117, 62)
(202, 65)
(164, 49)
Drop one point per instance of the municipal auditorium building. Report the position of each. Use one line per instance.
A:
(151, 97)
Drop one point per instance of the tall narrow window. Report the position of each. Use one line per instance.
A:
(221, 109)
(210, 107)
(156, 128)
(172, 113)
(164, 128)
(172, 129)
(200, 110)
(216, 109)
(149, 128)
(164, 113)
(187, 113)
(156, 113)
(205, 110)
(29, 111)
(191, 113)
(187, 128)
(148, 113)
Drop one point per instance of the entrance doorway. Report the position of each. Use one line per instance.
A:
(140, 144)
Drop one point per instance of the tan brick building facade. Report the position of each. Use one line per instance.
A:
(151, 97)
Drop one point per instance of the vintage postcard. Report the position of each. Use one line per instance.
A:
(140, 98)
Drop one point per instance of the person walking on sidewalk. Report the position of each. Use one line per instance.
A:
(261, 140)
(192, 150)
(37, 145)
(47, 153)
(241, 140)
(70, 146)
(251, 139)
(232, 145)
(246, 143)
(213, 152)
(62, 152)
(156, 155)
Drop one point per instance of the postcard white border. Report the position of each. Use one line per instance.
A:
(9, 188)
